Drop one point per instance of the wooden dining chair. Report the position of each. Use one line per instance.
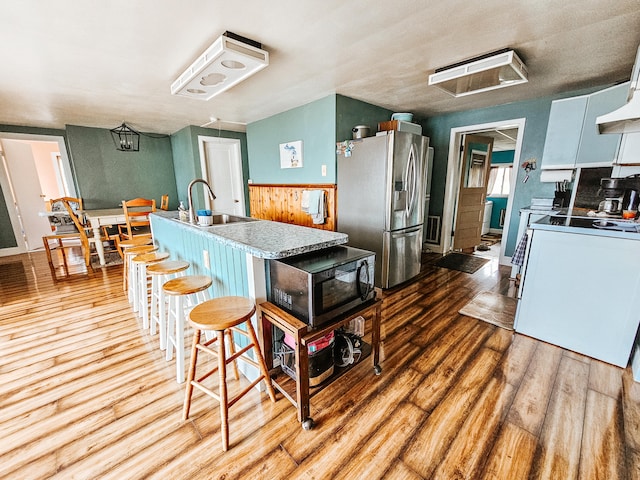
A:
(164, 202)
(64, 233)
(136, 214)
(85, 236)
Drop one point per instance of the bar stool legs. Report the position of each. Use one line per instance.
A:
(141, 293)
(161, 273)
(178, 291)
(224, 315)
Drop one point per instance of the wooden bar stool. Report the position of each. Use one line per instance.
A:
(161, 273)
(222, 315)
(139, 265)
(129, 276)
(183, 292)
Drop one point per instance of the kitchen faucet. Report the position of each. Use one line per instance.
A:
(192, 217)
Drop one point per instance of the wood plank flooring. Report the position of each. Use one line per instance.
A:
(86, 393)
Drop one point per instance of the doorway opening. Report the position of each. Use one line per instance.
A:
(34, 169)
(507, 137)
(221, 162)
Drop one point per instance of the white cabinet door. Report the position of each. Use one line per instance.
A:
(563, 132)
(572, 138)
(596, 149)
(581, 293)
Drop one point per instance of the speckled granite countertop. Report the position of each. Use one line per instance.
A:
(262, 238)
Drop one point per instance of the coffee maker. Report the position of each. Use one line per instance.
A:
(612, 189)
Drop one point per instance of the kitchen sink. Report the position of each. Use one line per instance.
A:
(223, 218)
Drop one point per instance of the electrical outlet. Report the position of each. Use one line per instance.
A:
(205, 258)
(324, 170)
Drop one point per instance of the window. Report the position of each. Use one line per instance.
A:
(499, 180)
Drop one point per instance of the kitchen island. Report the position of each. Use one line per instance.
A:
(233, 254)
(580, 286)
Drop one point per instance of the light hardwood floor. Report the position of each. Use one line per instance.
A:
(86, 393)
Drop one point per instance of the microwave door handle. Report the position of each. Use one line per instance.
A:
(358, 283)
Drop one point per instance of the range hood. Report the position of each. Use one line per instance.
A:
(625, 119)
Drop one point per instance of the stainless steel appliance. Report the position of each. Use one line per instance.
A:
(381, 191)
(317, 286)
(612, 189)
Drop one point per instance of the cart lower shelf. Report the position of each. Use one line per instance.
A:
(297, 390)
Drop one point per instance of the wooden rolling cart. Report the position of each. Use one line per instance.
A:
(298, 391)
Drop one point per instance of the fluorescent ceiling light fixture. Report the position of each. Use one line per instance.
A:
(228, 61)
(480, 74)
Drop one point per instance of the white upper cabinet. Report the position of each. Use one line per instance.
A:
(572, 137)
(629, 152)
(563, 132)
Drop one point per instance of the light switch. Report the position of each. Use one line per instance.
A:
(205, 259)
(324, 170)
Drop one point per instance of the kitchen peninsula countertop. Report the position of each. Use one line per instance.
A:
(262, 238)
(569, 222)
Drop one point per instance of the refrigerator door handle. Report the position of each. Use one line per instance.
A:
(411, 179)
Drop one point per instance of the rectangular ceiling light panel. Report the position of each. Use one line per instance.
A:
(480, 74)
(225, 63)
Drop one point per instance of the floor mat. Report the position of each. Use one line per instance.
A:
(461, 262)
(110, 258)
(491, 238)
(493, 308)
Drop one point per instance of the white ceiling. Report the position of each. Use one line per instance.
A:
(98, 63)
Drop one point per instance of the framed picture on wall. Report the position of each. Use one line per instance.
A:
(291, 154)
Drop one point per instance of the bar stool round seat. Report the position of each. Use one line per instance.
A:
(139, 265)
(222, 315)
(129, 280)
(160, 273)
(183, 293)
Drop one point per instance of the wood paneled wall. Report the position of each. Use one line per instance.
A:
(282, 203)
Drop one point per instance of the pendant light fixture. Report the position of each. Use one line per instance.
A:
(125, 138)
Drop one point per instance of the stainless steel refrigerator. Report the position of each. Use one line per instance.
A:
(381, 193)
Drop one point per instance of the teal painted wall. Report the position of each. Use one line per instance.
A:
(186, 159)
(7, 238)
(106, 176)
(535, 111)
(351, 112)
(314, 124)
(499, 203)
(319, 125)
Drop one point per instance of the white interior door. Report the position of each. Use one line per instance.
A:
(222, 167)
(29, 177)
(26, 186)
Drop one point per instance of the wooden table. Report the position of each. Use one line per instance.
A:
(100, 218)
(271, 316)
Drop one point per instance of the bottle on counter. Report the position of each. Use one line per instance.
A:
(183, 214)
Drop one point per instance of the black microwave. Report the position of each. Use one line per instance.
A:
(317, 286)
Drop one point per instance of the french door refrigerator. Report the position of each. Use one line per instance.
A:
(381, 191)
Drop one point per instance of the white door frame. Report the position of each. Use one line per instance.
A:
(7, 185)
(452, 184)
(237, 157)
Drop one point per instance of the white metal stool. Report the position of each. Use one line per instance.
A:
(161, 273)
(181, 292)
(141, 290)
